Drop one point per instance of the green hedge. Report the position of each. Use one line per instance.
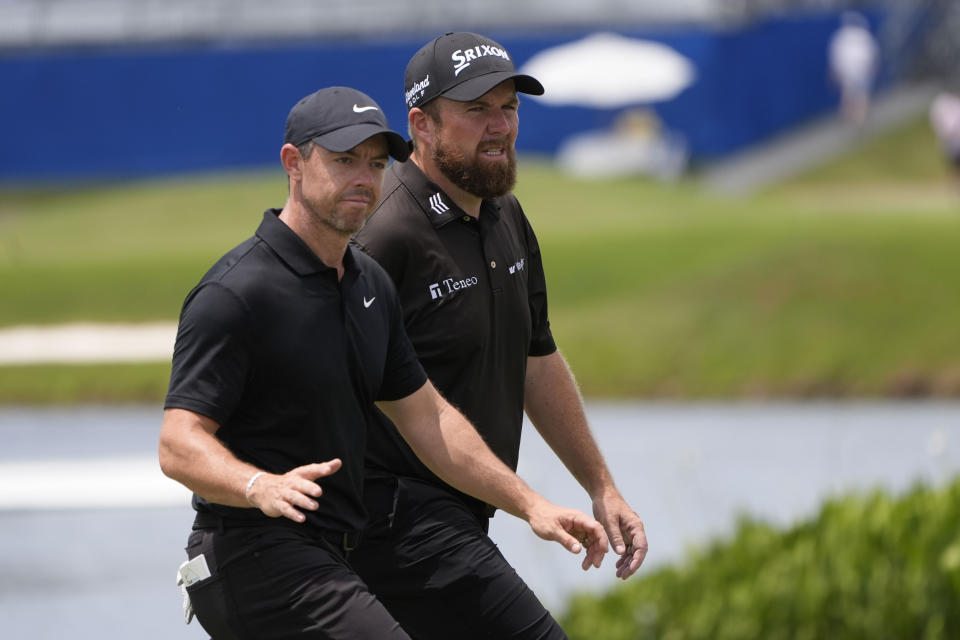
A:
(868, 566)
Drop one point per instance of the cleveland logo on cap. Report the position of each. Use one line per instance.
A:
(462, 57)
(418, 87)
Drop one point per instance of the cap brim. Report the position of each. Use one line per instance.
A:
(348, 137)
(475, 87)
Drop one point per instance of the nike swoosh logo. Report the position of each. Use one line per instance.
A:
(357, 109)
(367, 303)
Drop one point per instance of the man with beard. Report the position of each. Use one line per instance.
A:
(468, 271)
(281, 352)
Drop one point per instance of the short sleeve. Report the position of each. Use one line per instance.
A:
(541, 338)
(211, 356)
(403, 374)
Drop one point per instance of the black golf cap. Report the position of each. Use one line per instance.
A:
(463, 67)
(340, 118)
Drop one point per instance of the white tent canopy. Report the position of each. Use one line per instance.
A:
(607, 70)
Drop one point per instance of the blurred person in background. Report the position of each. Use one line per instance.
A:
(468, 271)
(945, 121)
(853, 56)
(281, 351)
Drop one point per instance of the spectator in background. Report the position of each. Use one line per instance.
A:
(853, 59)
(945, 120)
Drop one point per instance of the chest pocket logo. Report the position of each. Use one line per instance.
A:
(516, 267)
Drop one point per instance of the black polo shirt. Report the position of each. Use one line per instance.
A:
(474, 304)
(288, 361)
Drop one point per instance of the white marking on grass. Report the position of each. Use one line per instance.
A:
(87, 343)
(93, 483)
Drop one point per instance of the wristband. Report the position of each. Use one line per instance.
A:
(253, 478)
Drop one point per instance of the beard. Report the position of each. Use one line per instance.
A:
(477, 176)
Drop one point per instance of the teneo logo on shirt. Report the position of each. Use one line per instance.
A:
(462, 57)
(417, 88)
(449, 285)
(516, 267)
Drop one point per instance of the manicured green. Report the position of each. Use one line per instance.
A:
(126, 252)
(675, 294)
(867, 566)
(841, 283)
(96, 383)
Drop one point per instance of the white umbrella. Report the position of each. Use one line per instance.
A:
(607, 70)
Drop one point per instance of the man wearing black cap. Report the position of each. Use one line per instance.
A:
(282, 349)
(468, 272)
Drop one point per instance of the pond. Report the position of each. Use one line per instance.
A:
(91, 532)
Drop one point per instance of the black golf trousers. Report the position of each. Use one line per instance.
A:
(429, 560)
(278, 581)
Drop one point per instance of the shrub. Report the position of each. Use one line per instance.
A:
(868, 566)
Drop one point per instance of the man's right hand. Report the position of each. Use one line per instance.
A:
(285, 495)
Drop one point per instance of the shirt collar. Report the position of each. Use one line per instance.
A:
(293, 250)
(437, 206)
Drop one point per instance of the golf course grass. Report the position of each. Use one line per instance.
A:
(841, 283)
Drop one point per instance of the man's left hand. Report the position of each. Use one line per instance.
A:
(625, 531)
(573, 529)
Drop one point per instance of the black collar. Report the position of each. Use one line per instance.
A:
(293, 250)
(437, 206)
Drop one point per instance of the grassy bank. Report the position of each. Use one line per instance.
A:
(101, 384)
(695, 298)
(841, 283)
